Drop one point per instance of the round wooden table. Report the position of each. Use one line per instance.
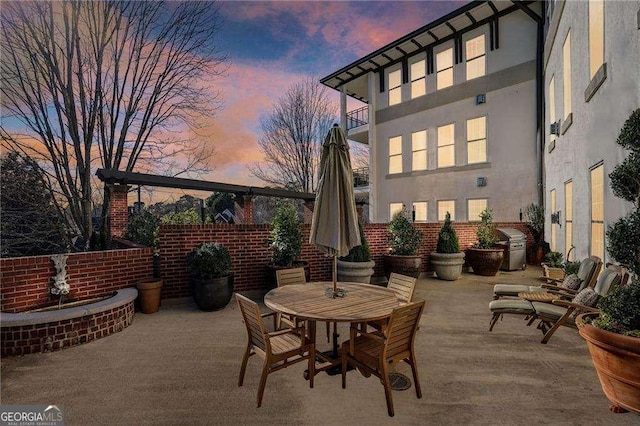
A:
(361, 303)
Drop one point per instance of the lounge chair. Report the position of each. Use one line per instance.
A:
(587, 272)
(561, 311)
(372, 353)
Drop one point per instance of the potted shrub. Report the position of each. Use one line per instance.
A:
(447, 260)
(209, 266)
(534, 219)
(285, 240)
(357, 266)
(483, 257)
(613, 338)
(553, 266)
(404, 241)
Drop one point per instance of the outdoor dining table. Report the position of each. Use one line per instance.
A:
(361, 303)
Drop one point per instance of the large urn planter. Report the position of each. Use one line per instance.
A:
(212, 294)
(402, 264)
(485, 262)
(358, 272)
(149, 295)
(448, 266)
(616, 358)
(270, 274)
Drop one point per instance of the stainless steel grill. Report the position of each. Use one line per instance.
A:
(515, 243)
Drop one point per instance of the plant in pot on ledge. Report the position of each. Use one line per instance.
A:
(483, 257)
(285, 239)
(357, 266)
(209, 266)
(614, 337)
(447, 260)
(404, 240)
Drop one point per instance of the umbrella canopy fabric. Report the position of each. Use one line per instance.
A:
(334, 228)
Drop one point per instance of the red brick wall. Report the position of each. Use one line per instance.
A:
(118, 212)
(26, 280)
(53, 336)
(250, 252)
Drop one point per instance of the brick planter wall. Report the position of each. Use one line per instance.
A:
(250, 252)
(26, 280)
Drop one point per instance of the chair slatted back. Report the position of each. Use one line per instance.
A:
(403, 286)
(402, 328)
(589, 270)
(290, 276)
(256, 330)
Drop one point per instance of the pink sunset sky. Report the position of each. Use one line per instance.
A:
(273, 45)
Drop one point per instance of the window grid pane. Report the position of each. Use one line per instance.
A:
(476, 59)
(552, 105)
(394, 208)
(420, 208)
(395, 89)
(597, 212)
(552, 202)
(419, 148)
(477, 140)
(446, 206)
(596, 35)
(474, 208)
(446, 147)
(444, 67)
(395, 155)
(566, 74)
(568, 221)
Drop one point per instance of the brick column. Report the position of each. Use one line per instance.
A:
(244, 208)
(308, 211)
(118, 213)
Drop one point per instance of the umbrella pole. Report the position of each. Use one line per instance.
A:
(335, 274)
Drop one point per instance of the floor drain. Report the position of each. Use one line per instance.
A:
(399, 382)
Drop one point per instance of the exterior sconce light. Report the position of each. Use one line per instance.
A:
(481, 99)
(481, 181)
(555, 128)
(555, 218)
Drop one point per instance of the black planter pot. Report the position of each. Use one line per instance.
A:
(485, 262)
(212, 294)
(403, 265)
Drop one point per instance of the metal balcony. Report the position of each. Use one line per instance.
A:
(361, 177)
(358, 117)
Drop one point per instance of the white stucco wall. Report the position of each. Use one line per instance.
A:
(591, 137)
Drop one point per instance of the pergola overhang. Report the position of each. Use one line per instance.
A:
(113, 176)
(354, 77)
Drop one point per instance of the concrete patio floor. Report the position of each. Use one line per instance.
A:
(180, 366)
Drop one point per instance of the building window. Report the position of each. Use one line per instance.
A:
(566, 74)
(474, 208)
(394, 209)
(477, 140)
(395, 87)
(444, 68)
(596, 36)
(445, 206)
(597, 212)
(446, 146)
(552, 206)
(395, 155)
(418, 81)
(419, 149)
(568, 220)
(552, 105)
(420, 211)
(476, 57)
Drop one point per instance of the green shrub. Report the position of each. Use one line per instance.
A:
(620, 310)
(360, 253)
(534, 219)
(186, 217)
(142, 228)
(403, 238)
(554, 259)
(209, 260)
(486, 231)
(285, 235)
(447, 238)
(571, 267)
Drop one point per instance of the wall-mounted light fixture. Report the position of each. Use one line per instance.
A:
(481, 181)
(555, 128)
(480, 99)
(555, 218)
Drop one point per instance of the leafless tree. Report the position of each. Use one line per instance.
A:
(292, 137)
(111, 84)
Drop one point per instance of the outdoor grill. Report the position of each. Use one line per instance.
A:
(515, 243)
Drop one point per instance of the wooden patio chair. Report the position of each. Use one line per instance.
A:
(587, 272)
(404, 288)
(279, 349)
(372, 353)
(288, 277)
(563, 312)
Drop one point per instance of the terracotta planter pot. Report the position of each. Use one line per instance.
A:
(212, 294)
(358, 272)
(485, 262)
(617, 361)
(149, 293)
(404, 265)
(448, 266)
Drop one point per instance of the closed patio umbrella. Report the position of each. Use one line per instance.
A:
(334, 228)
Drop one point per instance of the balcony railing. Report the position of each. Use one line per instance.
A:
(358, 117)
(361, 177)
